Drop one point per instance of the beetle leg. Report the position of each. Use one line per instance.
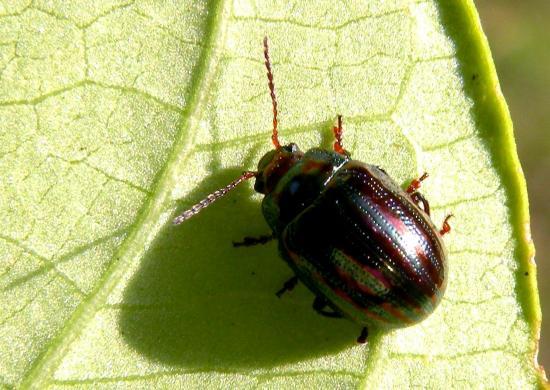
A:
(288, 286)
(337, 130)
(446, 227)
(362, 339)
(419, 199)
(319, 303)
(251, 241)
(416, 183)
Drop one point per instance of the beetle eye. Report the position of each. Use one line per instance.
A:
(291, 147)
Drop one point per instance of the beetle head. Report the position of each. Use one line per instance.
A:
(274, 165)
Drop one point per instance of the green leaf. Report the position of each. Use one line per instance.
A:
(115, 114)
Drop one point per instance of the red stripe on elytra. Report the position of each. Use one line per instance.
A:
(351, 281)
(378, 274)
(356, 285)
(387, 243)
(388, 307)
(339, 292)
(380, 197)
(365, 310)
(423, 240)
(373, 271)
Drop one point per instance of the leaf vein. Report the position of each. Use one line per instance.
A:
(43, 369)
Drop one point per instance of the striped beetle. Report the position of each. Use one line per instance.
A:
(366, 248)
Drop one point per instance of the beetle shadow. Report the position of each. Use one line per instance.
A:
(197, 301)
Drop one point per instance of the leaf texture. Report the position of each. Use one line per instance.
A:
(115, 114)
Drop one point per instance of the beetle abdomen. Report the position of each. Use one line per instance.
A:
(366, 247)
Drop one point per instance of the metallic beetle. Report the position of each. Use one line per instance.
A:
(366, 248)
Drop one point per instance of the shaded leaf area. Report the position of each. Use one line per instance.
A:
(115, 115)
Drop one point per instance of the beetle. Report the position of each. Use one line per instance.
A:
(365, 247)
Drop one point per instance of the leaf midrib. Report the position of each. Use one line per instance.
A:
(146, 225)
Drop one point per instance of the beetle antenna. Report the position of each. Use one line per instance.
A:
(211, 198)
(275, 135)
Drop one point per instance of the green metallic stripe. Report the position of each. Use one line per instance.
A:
(362, 274)
(378, 285)
(373, 315)
(407, 257)
(403, 290)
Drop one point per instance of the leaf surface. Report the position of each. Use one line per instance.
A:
(115, 114)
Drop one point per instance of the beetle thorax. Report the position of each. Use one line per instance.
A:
(292, 180)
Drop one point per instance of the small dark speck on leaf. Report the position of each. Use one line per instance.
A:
(474, 76)
(253, 273)
(526, 273)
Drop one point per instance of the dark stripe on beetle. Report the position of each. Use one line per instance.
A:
(409, 308)
(385, 246)
(325, 277)
(406, 283)
(352, 283)
(337, 220)
(408, 295)
(413, 309)
(412, 245)
(310, 232)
